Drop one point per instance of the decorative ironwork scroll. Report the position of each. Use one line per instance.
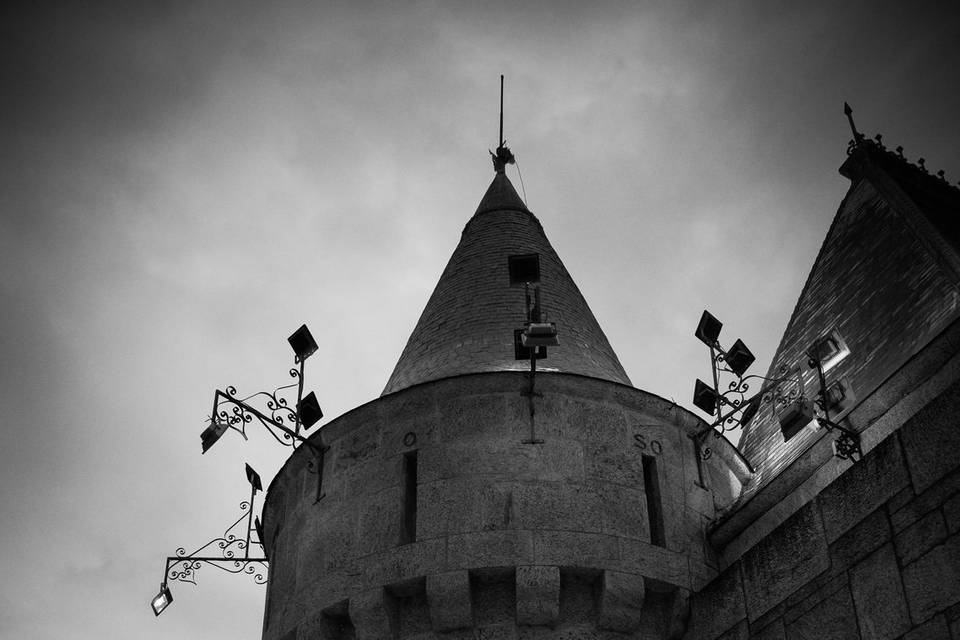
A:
(277, 416)
(234, 554)
(734, 410)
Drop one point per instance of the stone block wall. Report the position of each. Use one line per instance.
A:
(876, 556)
(513, 538)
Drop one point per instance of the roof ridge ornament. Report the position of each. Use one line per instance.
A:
(876, 145)
(503, 156)
(857, 136)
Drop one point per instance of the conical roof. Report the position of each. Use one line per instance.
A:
(469, 321)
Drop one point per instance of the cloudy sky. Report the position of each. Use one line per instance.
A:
(183, 185)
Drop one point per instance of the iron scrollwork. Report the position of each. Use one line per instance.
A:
(777, 393)
(234, 554)
(276, 417)
(734, 409)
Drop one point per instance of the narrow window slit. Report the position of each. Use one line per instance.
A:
(408, 531)
(651, 483)
(698, 459)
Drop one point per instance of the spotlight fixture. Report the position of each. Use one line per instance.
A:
(739, 358)
(258, 526)
(254, 479)
(303, 343)
(521, 352)
(309, 410)
(540, 334)
(708, 329)
(212, 433)
(795, 416)
(162, 600)
(750, 409)
(704, 397)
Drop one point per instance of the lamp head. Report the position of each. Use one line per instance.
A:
(162, 600)
(254, 479)
(708, 329)
(521, 352)
(739, 358)
(794, 417)
(302, 343)
(705, 398)
(259, 528)
(212, 433)
(540, 334)
(750, 409)
(309, 410)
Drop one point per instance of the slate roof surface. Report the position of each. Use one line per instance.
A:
(469, 321)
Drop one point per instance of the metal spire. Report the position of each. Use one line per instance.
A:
(847, 111)
(503, 156)
(501, 112)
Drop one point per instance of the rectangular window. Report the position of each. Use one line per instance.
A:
(408, 530)
(829, 349)
(651, 484)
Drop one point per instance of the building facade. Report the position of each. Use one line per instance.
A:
(477, 498)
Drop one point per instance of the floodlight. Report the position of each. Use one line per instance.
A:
(750, 408)
(739, 358)
(708, 330)
(521, 352)
(303, 343)
(524, 268)
(794, 417)
(704, 397)
(540, 334)
(309, 410)
(162, 600)
(259, 527)
(254, 479)
(212, 433)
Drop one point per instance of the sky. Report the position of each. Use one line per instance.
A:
(183, 185)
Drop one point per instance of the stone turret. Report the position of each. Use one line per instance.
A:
(466, 502)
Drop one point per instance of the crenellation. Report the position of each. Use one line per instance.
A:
(538, 595)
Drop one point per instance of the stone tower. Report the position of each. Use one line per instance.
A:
(476, 500)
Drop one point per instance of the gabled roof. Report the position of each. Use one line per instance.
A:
(469, 321)
(885, 281)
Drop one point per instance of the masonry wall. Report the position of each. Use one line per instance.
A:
(513, 539)
(876, 556)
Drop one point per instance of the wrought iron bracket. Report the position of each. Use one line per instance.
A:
(733, 399)
(733, 404)
(280, 415)
(233, 545)
(847, 445)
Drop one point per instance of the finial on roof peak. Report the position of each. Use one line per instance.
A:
(857, 136)
(503, 156)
